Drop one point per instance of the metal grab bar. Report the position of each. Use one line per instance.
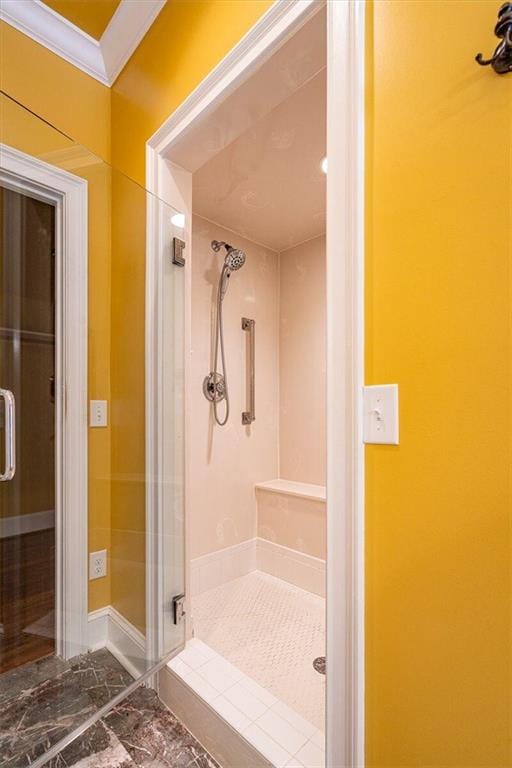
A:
(249, 416)
(10, 435)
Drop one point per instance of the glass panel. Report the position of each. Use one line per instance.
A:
(123, 636)
(173, 391)
(27, 367)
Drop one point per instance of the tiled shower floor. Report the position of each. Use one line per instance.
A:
(272, 632)
(251, 660)
(275, 730)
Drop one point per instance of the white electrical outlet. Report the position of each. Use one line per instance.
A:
(98, 413)
(97, 564)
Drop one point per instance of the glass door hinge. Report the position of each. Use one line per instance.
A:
(178, 246)
(178, 608)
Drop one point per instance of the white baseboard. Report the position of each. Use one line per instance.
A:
(107, 628)
(97, 628)
(304, 571)
(223, 565)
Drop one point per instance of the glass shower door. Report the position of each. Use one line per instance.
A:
(129, 618)
(27, 429)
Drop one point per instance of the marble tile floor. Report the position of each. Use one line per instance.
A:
(141, 731)
(42, 702)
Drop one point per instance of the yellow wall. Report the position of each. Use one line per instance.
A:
(439, 230)
(60, 93)
(80, 106)
(93, 16)
(438, 322)
(187, 40)
(128, 400)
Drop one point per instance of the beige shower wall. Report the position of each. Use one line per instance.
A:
(302, 366)
(229, 460)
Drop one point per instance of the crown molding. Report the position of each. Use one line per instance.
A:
(125, 31)
(56, 33)
(103, 59)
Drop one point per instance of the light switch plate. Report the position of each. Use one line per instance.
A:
(98, 413)
(380, 414)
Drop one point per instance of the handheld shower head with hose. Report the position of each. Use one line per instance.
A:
(235, 259)
(215, 385)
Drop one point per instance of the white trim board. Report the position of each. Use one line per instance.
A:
(290, 565)
(103, 59)
(223, 565)
(283, 18)
(107, 628)
(68, 194)
(257, 554)
(345, 377)
(345, 339)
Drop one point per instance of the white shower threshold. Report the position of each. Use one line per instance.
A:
(253, 630)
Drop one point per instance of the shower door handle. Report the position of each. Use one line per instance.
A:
(249, 416)
(10, 434)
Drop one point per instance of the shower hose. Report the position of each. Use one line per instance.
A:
(219, 336)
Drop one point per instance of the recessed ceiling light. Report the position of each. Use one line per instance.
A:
(323, 165)
(178, 220)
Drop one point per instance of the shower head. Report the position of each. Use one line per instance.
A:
(234, 259)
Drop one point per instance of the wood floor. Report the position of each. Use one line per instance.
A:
(27, 596)
(23, 649)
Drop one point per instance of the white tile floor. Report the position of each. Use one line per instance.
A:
(251, 660)
(281, 735)
(271, 631)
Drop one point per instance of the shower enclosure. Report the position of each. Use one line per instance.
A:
(253, 188)
(90, 595)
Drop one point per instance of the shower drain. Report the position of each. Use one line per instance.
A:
(319, 664)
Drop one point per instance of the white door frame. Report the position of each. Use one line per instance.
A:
(68, 194)
(345, 335)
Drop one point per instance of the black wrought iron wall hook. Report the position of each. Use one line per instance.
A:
(501, 60)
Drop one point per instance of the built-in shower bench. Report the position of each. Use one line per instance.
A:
(290, 541)
(293, 488)
(292, 532)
